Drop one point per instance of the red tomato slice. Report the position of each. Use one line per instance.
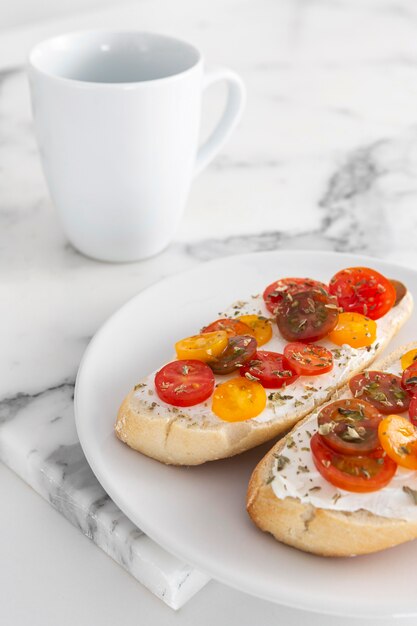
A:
(184, 382)
(350, 426)
(412, 410)
(382, 390)
(231, 326)
(307, 315)
(274, 293)
(360, 474)
(270, 369)
(363, 290)
(308, 359)
(409, 378)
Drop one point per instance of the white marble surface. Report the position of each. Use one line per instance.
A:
(325, 157)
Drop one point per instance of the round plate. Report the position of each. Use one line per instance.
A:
(198, 513)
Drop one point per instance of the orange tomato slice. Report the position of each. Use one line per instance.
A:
(238, 399)
(408, 358)
(260, 326)
(202, 347)
(354, 329)
(398, 437)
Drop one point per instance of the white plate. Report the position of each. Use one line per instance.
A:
(198, 513)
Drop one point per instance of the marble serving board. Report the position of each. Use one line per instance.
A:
(325, 158)
(38, 440)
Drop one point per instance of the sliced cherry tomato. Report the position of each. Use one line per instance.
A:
(275, 292)
(184, 383)
(382, 390)
(363, 290)
(239, 350)
(202, 347)
(400, 290)
(398, 437)
(409, 378)
(307, 315)
(356, 473)
(260, 326)
(350, 426)
(354, 329)
(408, 358)
(412, 410)
(308, 359)
(231, 326)
(238, 399)
(270, 369)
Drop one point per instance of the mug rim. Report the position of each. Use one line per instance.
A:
(31, 63)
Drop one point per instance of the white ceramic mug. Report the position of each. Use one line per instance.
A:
(117, 118)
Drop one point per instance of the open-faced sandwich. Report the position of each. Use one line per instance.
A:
(344, 481)
(264, 365)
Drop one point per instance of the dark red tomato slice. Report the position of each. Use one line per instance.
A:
(409, 378)
(350, 426)
(357, 473)
(307, 315)
(412, 410)
(274, 293)
(382, 390)
(308, 359)
(270, 369)
(231, 326)
(184, 382)
(239, 350)
(400, 290)
(363, 290)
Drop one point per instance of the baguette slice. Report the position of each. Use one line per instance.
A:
(195, 435)
(323, 531)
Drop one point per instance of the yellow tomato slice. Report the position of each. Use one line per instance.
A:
(408, 358)
(354, 329)
(202, 347)
(238, 399)
(260, 326)
(398, 437)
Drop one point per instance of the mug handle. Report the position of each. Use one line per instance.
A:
(236, 98)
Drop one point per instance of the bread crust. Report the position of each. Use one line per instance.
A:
(323, 531)
(176, 440)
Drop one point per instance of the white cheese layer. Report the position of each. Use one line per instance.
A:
(300, 397)
(300, 479)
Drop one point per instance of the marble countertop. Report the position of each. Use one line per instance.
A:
(324, 158)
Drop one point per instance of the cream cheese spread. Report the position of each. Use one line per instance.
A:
(300, 397)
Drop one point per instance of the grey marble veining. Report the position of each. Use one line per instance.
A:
(325, 158)
(342, 224)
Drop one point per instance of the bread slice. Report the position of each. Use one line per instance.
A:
(195, 435)
(318, 530)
